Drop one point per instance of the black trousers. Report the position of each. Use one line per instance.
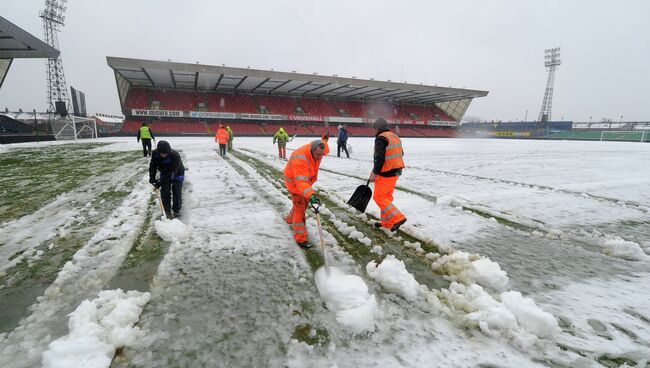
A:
(172, 189)
(341, 146)
(146, 146)
(222, 149)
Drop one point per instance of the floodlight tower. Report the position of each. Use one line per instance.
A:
(57, 90)
(551, 62)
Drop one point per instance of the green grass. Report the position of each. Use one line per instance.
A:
(33, 177)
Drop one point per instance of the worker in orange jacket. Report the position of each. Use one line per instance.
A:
(222, 138)
(388, 165)
(300, 174)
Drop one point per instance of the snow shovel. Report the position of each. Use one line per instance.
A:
(361, 197)
(320, 235)
(349, 147)
(162, 208)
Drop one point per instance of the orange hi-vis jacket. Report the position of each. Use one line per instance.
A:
(394, 152)
(222, 136)
(302, 170)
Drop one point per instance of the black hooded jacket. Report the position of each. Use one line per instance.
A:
(380, 156)
(169, 167)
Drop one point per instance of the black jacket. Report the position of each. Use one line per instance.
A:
(169, 167)
(380, 156)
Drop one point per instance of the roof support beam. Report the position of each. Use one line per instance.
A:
(319, 87)
(259, 85)
(300, 86)
(358, 93)
(148, 77)
(341, 93)
(281, 84)
(240, 82)
(171, 74)
(332, 90)
(218, 81)
(416, 96)
(383, 93)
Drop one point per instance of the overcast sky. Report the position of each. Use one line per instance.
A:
(496, 46)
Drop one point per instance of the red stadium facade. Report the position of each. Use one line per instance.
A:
(193, 99)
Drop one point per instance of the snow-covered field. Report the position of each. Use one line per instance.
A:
(515, 254)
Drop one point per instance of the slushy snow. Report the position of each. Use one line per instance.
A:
(469, 268)
(391, 273)
(97, 328)
(347, 296)
(619, 248)
(173, 230)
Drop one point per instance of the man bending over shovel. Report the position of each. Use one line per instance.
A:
(172, 174)
(300, 174)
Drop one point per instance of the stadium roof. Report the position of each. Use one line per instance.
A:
(16, 43)
(200, 77)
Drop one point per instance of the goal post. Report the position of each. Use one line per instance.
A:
(74, 127)
(623, 135)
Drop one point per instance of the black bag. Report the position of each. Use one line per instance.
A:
(361, 197)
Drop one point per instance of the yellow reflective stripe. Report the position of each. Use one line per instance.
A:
(387, 209)
(302, 177)
(307, 190)
(397, 155)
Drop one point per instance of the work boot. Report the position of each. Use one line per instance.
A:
(177, 214)
(304, 245)
(397, 225)
(169, 215)
(378, 225)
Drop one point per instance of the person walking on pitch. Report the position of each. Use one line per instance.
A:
(341, 142)
(388, 165)
(300, 174)
(145, 135)
(230, 137)
(281, 137)
(222, 137)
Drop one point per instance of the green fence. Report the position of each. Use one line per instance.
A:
(604, 135)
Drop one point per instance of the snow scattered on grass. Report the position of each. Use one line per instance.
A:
(471, 268)
(97, 328)
(173, 230)
(515, 317)
(391, 273)
(347, 296)
(620, 248)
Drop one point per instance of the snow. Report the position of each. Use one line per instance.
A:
(469, 269)
(347, 296)
(97, 328)
(391, 273)
(624, 249)
(173, 230)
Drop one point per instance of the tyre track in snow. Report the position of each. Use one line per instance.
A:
(81, 278)
(235, 291)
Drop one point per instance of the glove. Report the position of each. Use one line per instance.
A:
(179, 178)
(156, 183)
(314, 200)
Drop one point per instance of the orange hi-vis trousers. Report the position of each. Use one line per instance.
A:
(383, 196)
(296, 218)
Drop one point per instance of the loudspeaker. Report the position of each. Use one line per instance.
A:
(61, 109)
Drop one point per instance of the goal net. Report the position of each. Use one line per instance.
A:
(74, 127)
(625, 135)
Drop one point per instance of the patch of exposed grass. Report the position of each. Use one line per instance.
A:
(311, 335)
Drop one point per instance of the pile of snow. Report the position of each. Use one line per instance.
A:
(347, 296)
(173, 230)
(391, 273)
(97, 329)
(471, 268)
(619, 248)
(515, 317)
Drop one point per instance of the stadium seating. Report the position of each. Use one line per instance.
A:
(318, 107)
(239, 128)
(409, 132)
(278, 105)
(379, 110)
(137, 99)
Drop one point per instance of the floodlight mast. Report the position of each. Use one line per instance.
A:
(551, 62)
(53, 18)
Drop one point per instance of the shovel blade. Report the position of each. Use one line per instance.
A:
(360, 198)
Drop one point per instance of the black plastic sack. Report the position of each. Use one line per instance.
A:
(361, 197)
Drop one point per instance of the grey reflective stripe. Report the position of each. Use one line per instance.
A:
(391, 216)
(288, 179)
(387, 209)
(301, 231)
(304, 192)
(397, 155)
(298, 224)
(394, 146)
(298, 157)
(302, 177)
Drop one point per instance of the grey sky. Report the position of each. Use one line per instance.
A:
(481, 44)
